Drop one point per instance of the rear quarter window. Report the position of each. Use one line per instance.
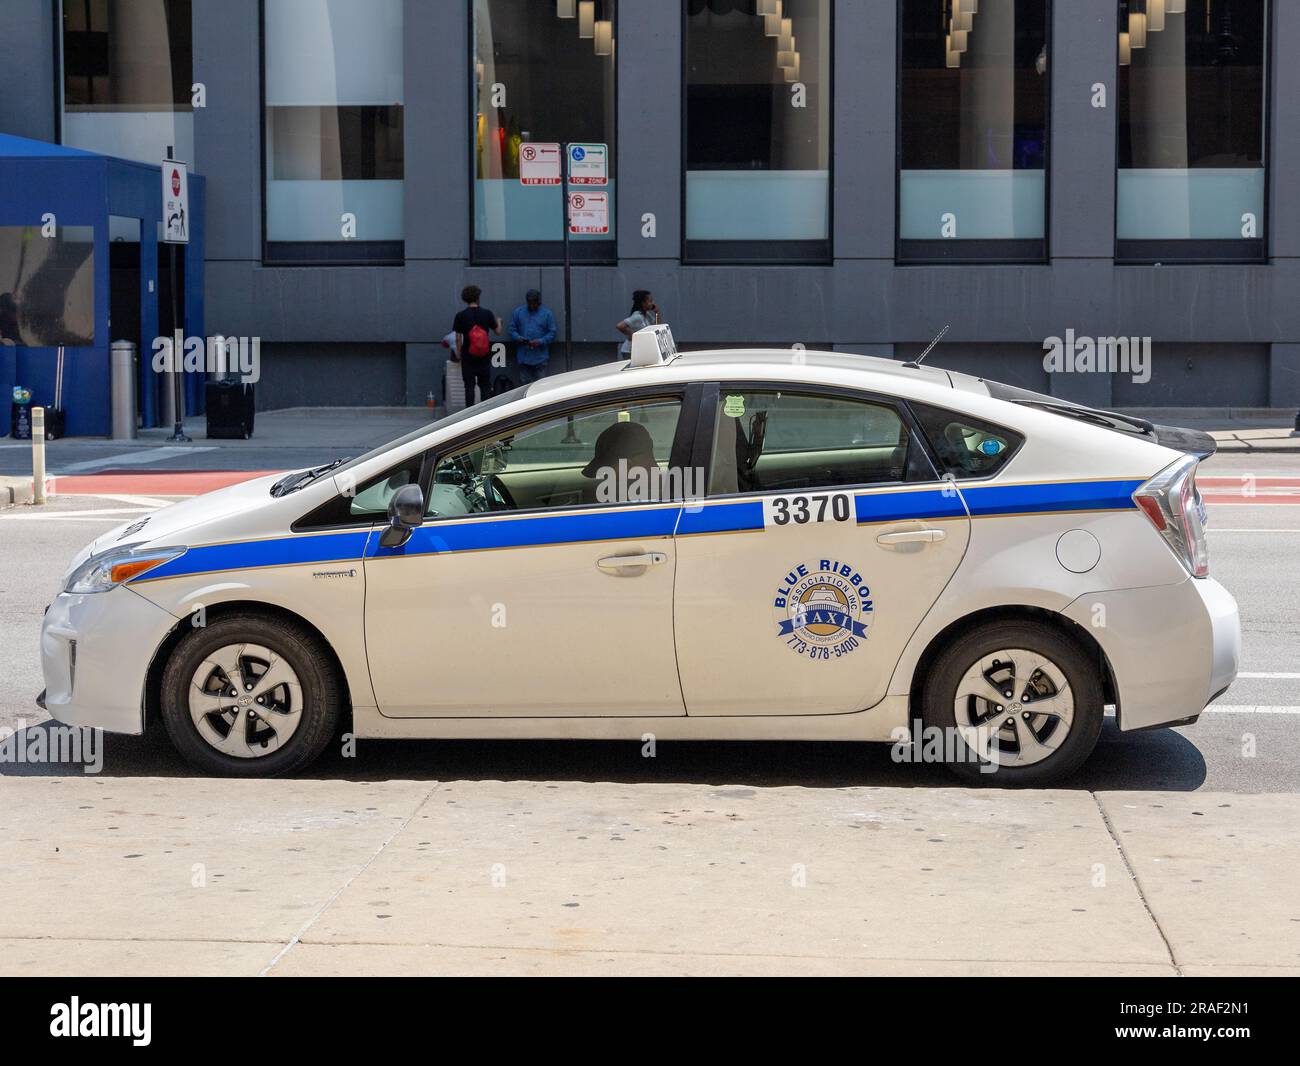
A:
(966, 447)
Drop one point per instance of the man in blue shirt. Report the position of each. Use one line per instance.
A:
(532, 328)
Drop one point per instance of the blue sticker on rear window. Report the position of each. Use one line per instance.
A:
(991, 447)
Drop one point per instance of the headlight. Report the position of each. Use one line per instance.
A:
(109, 569)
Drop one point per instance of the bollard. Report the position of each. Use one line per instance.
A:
(38, 455)
(122, 388)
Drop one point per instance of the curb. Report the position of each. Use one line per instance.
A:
(15, 491)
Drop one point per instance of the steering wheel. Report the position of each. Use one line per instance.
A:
(495, 487)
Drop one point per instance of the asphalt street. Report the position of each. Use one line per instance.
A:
(1246, 743)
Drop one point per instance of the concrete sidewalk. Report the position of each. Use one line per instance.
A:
(161, 876)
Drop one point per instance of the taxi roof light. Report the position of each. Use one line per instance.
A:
(653, 346)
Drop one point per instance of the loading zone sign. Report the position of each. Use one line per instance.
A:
(539, 164)
(176, 202)
(588, 164)
(588, 212)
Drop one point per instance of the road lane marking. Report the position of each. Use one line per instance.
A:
(56, 515)
(1277, 676)
(135, 458)
(1248, 708)
(1215, 529)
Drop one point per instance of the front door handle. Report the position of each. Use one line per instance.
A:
(911, 536)
(622, 562)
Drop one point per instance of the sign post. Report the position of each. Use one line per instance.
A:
(176, 231)
(571, 163)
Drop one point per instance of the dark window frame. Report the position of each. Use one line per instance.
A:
(921, 458)
(1010, 251)
(338, 253)
(762, 252)
(685, 444)
(1194, 251)
(532, 253)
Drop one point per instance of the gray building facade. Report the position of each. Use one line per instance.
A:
(1224, 332)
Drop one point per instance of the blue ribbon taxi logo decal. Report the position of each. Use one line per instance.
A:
(822, 609)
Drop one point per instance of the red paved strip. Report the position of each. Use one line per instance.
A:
(157, 483)
(1250, 491)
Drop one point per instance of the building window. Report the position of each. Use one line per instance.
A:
(47, 287)
(334, 157)
(1191, 180)
(758, 122)
(127, 78)
(973, 107)
(543, 73)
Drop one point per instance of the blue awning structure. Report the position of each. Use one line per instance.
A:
(61, 209)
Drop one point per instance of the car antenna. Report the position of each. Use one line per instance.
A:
(915, 363)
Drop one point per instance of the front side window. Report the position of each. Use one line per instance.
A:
(615, 453)
(770, 440)
(973, 130)
(127, 78)
(1191, 129)
(543, 74)
(758, 115)
(334, 154)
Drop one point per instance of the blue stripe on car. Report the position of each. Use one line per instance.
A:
(725, 517)
(527, 532)
(280, 551)
(1063, 496)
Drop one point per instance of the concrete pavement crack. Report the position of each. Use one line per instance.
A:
(1137, 883)
(297, 937)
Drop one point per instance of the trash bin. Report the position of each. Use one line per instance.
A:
(230, 408)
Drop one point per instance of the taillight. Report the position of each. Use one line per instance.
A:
(1172, 504)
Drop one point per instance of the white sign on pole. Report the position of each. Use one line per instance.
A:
(539, 164)
(176, 202)
(588, 164)
(588, 212)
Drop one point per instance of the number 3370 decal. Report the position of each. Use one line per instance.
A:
(802, 510)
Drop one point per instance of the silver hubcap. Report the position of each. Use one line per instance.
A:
(1014, 707)
(245, 700)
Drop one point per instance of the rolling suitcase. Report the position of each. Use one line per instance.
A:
(230, 409)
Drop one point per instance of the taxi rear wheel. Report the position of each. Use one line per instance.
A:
(247, 696)
(1018, 704)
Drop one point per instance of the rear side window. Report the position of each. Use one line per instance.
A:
(770, 440)
(966, 447)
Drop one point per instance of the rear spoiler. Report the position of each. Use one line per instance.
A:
(1189, 441)
(1192, 441)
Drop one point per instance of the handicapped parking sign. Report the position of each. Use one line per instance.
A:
(588, 164)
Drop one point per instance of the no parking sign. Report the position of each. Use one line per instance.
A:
(588, 212)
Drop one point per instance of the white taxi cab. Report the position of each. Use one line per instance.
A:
(756, 545)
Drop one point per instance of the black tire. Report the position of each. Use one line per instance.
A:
(321, 699)
(1081, 670)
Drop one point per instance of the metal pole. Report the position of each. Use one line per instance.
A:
(38, 455)
(178, 352)
(568, 300)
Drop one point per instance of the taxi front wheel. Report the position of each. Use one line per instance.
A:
(248, 696)
(1016, 704)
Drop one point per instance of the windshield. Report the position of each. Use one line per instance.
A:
(443, 423)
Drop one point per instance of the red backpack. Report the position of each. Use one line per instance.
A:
(477, 342)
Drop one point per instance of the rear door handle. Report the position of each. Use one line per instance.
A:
(621, 562)
(911, 536)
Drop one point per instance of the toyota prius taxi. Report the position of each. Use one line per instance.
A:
(739, 545)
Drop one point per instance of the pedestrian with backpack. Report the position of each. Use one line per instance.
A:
(473, 345)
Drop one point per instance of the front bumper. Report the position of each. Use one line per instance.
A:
(95, 655)
(1172, 648)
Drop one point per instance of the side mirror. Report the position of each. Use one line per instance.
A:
(405, 512)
